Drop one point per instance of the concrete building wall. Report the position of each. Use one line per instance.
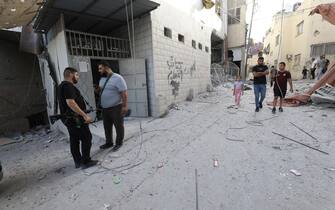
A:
(179, 68)
(21, 87)
(293, 44)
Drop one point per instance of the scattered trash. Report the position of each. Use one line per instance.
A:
(160, 165)
(325, 94)
(295, 172)
(107, 207)
(50, 141)
(42, 176)
(74, 196)
(216, 163)
(116, 179)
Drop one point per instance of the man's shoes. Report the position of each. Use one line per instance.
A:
(77, 165)
(280, 109)
(257, 109)
(116, 148)
(106, 146)
(89, 164)
(274, 110)
(260, 105)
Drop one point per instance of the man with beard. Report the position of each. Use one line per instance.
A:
(114, 104)
(72, 107)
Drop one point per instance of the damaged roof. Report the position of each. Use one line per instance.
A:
(15, 13)
(98, 16)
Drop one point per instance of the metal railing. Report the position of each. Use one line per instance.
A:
(96, 46)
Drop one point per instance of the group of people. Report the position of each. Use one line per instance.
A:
(279, 80)
(319, 66)
(113, 101)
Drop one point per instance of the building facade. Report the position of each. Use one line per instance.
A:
(237, 29)
(164, 52)
(303, 37)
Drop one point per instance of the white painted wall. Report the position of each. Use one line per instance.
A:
(176, 62)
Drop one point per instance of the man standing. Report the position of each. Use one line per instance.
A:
(321, 66)
(304, 73)
(280, 86)
(114, 103)
(72, 107)
(260, 71)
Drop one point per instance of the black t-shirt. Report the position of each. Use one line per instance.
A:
(260, 68)
(67, 90)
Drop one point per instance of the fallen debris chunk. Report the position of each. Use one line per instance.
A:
(116, 180)
(295, 172)
(160, 165)
(326, 153)
(107, 206)
(276, 147)
(215, 163)
(330, 169)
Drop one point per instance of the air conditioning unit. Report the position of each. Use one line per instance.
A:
(289, 57)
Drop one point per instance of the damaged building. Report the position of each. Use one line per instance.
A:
(162, 48)
(163, 53)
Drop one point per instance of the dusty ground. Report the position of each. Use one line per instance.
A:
(156, 170)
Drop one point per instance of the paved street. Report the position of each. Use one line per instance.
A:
(240, 163)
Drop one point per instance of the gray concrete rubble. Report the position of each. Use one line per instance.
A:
(240, 163)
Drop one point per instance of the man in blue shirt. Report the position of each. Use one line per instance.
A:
(114, 104)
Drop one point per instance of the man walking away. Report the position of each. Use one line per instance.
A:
(304, 73)
(72, 107)
(260, 71)
(114, 103)
(280, 86)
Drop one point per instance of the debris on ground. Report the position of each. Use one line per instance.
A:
(295, 172)
(215, 163)
(116, 179)
(330, 169)
(107, 207)
(160, 165)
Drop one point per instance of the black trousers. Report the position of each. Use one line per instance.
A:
(83, 135)
(112, 116)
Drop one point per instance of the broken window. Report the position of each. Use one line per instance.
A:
(200, 46)
(181, 38)
(297, 59)
(167, 32)
(194, 44)
(300, 28)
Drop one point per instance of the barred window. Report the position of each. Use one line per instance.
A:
(330, 49)
(297, 59)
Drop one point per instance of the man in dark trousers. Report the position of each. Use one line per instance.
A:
(114, 104)
(72, 107)
(260, 71)
(280, 86)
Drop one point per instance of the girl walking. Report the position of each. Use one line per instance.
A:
(238, 90)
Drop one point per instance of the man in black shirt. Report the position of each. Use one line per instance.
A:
(72, 107)
(260, 71)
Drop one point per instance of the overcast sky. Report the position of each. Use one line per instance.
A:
(264, 11)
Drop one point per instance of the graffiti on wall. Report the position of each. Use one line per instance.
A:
(177, 71)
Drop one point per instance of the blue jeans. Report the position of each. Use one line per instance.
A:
(260, 91)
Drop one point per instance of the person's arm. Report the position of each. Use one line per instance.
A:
(124, 97)
(291, 85)
(74, 106)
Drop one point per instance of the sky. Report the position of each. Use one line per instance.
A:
(264, 11)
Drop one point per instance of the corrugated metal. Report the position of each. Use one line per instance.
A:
(94, 16)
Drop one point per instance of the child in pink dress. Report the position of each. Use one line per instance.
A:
(238, 90)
